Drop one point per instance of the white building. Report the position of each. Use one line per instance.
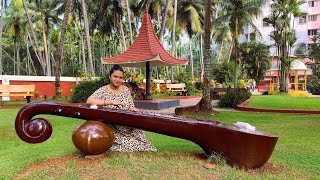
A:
(299, 24)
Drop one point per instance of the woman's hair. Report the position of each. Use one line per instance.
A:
(116, 67)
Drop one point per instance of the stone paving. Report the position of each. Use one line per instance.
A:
(183, 102)
(188, 102)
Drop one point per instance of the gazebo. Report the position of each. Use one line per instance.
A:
(297, 68)
(145, 51)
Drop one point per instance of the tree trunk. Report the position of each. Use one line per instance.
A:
(18, 56)
(129, 21)
(191, 58)
(230, 52)
(174, 27)
(1, 15)
(46, 55)
(123, 37)
(35, 39)
(236, 55)
(205, 104)
(68, 8)
(201, 58)
(220, 52)
(164, 19)
(29, 57)
(86, 29)
(84, 64)
(283, 62)
(45, 45)
(235, 83)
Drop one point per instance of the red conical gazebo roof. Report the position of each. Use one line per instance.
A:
(145, 48)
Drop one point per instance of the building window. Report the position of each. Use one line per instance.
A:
(312, 32)
(312, 17)
(302, 19)
(311, 3)
(265, 22)
(252, 36)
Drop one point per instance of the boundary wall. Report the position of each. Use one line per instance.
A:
(44, 85)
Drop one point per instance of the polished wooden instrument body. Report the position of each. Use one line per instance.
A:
(240, 147)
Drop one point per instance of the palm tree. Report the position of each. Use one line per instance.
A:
(1, 15)
(164, 19)
(174, 34)
(15, 21)
(255, 58)
(280, 19)
(49, 18)
(222, 35)
(34, 36)
(86, 29)
(239, 14)
(107, 22)
(314, 52)
(174, 27)
(206, 102)
(189, 20)
(68, 8)
(129, 21)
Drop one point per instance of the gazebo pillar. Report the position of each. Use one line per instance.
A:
(278, 81)
(270, 82)
(148, 96)
(296, 80)
(305, 81)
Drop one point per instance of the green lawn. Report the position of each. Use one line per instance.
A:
(284, 101)
(296, 155)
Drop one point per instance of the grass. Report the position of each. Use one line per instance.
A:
(284, 101)
(296, 155)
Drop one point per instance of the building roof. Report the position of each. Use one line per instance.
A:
(295, 65)
(146, 47)
(300, 73)
(298, 65)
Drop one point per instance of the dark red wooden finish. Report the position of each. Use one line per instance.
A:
(93, 137)
(240, 147)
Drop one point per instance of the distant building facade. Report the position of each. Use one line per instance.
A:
(305, 27)
(313, 18)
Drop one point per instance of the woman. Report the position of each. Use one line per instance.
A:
(117, 96)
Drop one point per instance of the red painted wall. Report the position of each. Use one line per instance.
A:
(45, 88)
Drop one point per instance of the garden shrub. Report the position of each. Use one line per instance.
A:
(233, 97)
(86, 87)
(313, 85)
(190, 88)
(227, 85)
(198, 85)
(241, 83)
(182, 77)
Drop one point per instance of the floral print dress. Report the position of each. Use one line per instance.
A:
(127, 139)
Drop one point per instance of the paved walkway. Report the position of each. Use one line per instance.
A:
(188, 102)
(183, 102)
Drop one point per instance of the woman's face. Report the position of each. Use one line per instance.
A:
(116, 78)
